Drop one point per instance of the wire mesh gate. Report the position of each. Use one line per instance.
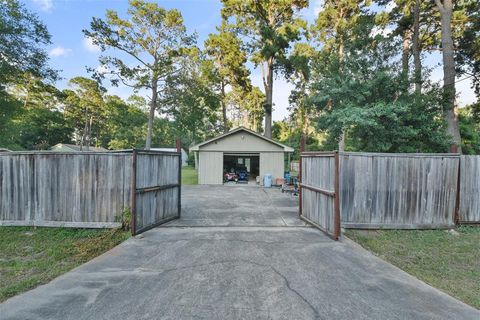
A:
(319, 202)
(156, 188)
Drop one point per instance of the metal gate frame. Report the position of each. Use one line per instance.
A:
(335, 194)
(136, 190)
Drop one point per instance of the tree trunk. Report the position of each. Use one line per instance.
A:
(341, 142)
(151, 116)
(416, 47)
(407, 35)
(224, 108)
(268, 83)
(450, 110)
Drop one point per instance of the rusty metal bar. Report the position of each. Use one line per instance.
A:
(134, 193)
(336, 203)
(179, 150)
(300, 178)
(319, 190)
(156, 188)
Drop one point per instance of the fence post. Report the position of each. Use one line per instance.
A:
(134, 192)
(302, 149)
(179, 150)
(336, 203)
(456, 214)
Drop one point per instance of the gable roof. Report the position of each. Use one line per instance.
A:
(238, 129)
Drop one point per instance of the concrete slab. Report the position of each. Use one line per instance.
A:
(243, 272)
(237, 205)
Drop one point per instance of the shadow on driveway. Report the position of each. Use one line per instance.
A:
(248, 260)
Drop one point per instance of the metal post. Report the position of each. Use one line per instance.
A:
(134, 192)
(179, 150)
(336, 204)
(300, 180)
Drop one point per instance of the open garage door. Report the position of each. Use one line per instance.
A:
(236, 164)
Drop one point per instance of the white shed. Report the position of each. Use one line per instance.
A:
(240, 146)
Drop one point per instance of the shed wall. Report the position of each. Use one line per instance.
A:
(273, 163)
(210, 168)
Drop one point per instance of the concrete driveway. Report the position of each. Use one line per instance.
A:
(237, 253)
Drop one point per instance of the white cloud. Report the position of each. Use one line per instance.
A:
(45, 5)
(59, 51)
(90, 46)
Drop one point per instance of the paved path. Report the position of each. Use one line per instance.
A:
(265, 265)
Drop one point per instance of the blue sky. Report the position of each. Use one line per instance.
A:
(71, 52)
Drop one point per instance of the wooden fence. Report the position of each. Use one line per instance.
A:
(156, 198)
(408, 191)
(85, 189)
(319, 189)
(469, 207)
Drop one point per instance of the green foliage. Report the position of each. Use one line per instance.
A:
(125, 218)
(365, 95)
(155, 38)
(468, 53)
(469, 118)
(22, 40)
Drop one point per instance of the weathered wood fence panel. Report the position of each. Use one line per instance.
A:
(398, 190)
(157, 188)
(469, 211)
(319, 191)
(64, 189)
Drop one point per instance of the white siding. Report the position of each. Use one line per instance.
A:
(273, 163)
(210, 169)
(241, 141)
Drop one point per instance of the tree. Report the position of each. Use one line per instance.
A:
(270, 27)
(124, 125)
(469, 119)
(22, 37)
(153, 38)
(450, 109)
(85, 106)
(336, 25)
(191, 104)
(366, 94)
(468, 47)
(226, 67)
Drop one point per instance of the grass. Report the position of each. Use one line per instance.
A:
(189, 176)
(31, 256)
(445, 260)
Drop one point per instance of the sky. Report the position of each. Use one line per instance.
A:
(72, 53)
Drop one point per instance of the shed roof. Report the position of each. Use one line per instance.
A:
(256, 134)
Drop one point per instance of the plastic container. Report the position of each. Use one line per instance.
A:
(287, 177)
(267, 180)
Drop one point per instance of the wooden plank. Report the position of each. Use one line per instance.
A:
(60, 224)
(398, 191)
(469, 206)
(396, 226)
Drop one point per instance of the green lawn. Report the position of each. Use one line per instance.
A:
(31, 256)
(449, 262)
(189, 176)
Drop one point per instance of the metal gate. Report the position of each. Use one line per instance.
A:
(319, 191)
(156, 188)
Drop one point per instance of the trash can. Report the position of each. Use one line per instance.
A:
(267, 180)
(287, 177)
